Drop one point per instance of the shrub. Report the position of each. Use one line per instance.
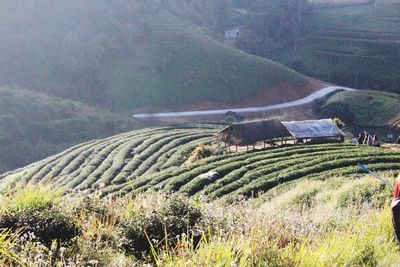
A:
(200, 152)
(339, 123)
(370, 193)
(161, 226)
(45, 226)
(35, 198)
(33, 210)
(304, 200)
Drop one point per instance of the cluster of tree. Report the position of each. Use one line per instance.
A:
(273, 24)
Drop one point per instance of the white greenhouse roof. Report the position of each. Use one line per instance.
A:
(313, 129)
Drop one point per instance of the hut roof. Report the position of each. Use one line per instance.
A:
(248, 133)
(395, 122)
(313, 129)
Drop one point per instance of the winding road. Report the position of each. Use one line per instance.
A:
(306, 100)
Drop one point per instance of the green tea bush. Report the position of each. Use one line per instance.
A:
(160, 227)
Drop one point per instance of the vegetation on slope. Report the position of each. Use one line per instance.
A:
(34, 126)
(121, 54)
(156, 159)
(355, 46)
(116, 159)
(360, 108)
(339, 221)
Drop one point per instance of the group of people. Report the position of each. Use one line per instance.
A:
(366, 139)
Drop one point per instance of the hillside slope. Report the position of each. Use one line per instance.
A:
(355, 46)
(349, 43)
(34, 125)
(154, 158)
(360, 108)
(125, 55)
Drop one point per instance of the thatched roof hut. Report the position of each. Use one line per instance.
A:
(249, 133)
(395, 122)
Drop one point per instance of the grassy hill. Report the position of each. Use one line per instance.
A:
(356, 46)
(123, 55)
(360, 108)
(34, 126)
(154, 159)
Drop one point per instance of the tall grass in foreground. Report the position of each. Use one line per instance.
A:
(7, 255)
(31, 198)
(366, 241)
(305, 226)
(336, 222)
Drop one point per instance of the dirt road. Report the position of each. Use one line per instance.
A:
(306, 100)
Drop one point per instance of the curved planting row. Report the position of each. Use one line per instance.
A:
(153, 159)
(177, 177)
(113, 160)
(251, 173)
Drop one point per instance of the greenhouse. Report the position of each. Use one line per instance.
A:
(314, 129)
(272, 131)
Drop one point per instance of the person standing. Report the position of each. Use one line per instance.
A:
(360, 139)
(366, 137)
(396, 209)
(375, 141)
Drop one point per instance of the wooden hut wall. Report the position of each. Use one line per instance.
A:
(249, 133)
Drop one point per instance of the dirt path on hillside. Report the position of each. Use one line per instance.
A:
(306, 100)
(395, 147)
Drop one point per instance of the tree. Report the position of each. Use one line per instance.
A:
(278, 22)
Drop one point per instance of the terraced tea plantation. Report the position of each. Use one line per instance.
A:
(155, 159)
(114, 160)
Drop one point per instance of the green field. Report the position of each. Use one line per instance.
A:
(154, 159)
